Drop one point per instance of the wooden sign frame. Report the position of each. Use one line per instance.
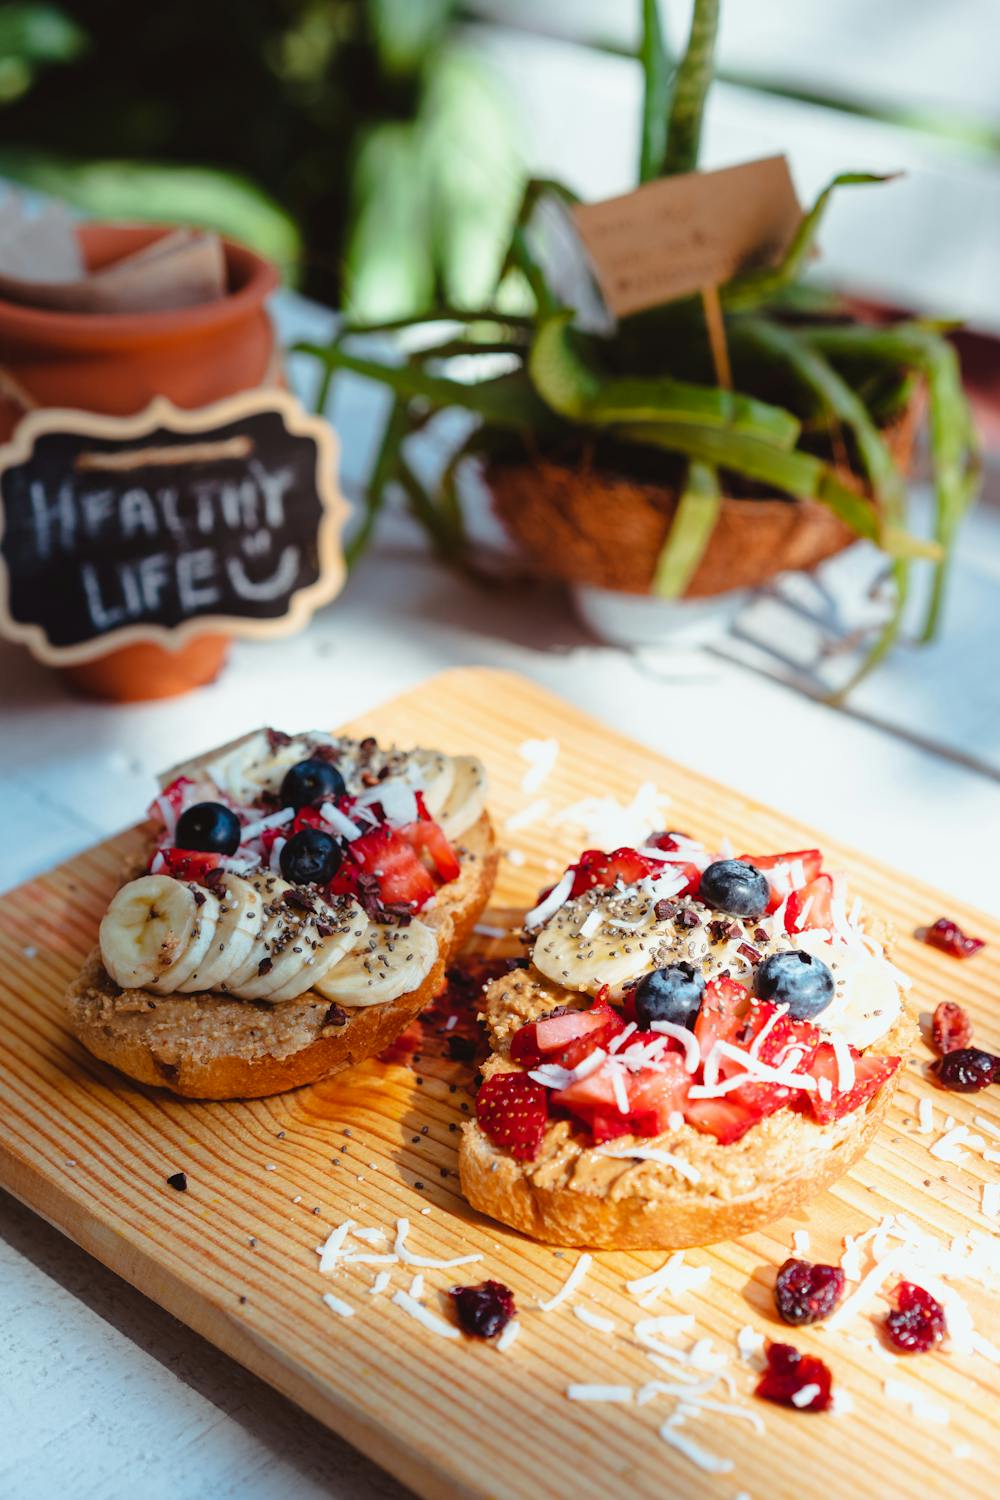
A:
(199, 422)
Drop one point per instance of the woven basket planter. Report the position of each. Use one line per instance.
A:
(594, 526)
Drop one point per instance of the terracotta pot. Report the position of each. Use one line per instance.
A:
(116, 364)
(590, 525)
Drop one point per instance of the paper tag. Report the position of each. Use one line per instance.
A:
(167, 524)
(674, 236)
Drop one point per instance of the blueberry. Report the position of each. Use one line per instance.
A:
(209, 827)
(796, 979)
(311, 857)
(670, 994)
(311, 781)
(734, 886)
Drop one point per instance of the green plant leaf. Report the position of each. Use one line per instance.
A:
(751, 288)
(162, 194)
(506, 401)
(798, 474)
(954, 453)
(388, 260)
(656, 69)
(570, 385)
(692, 526)
(383, 472)
(691, 85)
(407, 32)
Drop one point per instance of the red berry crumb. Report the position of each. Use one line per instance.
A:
(950, 938)
(805, 1293)
(951, 1028)
(917, 1322)
(967, 1071)
(513, 1110)
(790, 1373)
(484, 1310)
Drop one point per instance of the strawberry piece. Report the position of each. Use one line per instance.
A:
(783, 873)
(402, 879)
(654, 1094)
(669, 845)
(723, 1117)
(870, 1073)
(723, 1008)
(811, 906)
(785, 1033)
(556, 1032)
(428, 838)
(513, 1110)
(951, 1028)
(175, 795)
(184, 864)
(524, 1047)
(594, 867)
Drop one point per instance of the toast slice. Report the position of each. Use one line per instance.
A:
(215, 1045)
(589, 1176)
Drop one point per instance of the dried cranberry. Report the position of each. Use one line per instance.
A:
(951, 1028)
(484, 1310)
(789, 1374)
(950, 938)
(917, 1322)
(805, 1293)
(967, 1071)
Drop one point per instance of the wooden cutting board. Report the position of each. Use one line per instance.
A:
(235, 1256)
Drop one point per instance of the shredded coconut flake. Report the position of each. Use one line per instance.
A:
(509, 1334)
(527, 815)
(800, 1242)
(711, 1463)
(424, 1315)
(687, 1039)
(426, 1261)
(380, 1283)
(653, 1153)
(338, 1305)
(331, 1250)
(571, 1283)
(594, 1320)
(805, 1396)
(925, 1115)
(947, 1146)
(541, 756)
(557, 897)
(673, 1277)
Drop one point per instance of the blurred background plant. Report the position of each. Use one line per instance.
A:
(359, 143)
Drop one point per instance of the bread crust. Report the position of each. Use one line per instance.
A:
(571, 1196)
(215, 1047)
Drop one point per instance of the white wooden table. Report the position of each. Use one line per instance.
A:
(103, 1394)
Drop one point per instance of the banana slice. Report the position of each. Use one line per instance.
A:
(241, 916)
(434, 773)
(155, 932)
(574, 951)
(466, 798)
(296, 943)
(323, 949)
(387, 963)
(258, 767)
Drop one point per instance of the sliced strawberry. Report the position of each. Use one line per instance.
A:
(811, 906)
(402, 878)
(524, 1047)
(587, 1095)
(513, 1110)
(306, 817)
(608, 1126)
(783, 871)
(654, 1094)
(184, 864)
(724, 1118)
(594, 868)
(782, 1035)
(555, 1032)
(870, 1073)
(428, 838)
(724, 1006)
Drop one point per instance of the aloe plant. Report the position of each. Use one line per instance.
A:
(810, 381)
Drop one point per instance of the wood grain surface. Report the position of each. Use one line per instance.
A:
(234, 1256)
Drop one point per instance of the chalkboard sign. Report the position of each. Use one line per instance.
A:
(166, 524)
